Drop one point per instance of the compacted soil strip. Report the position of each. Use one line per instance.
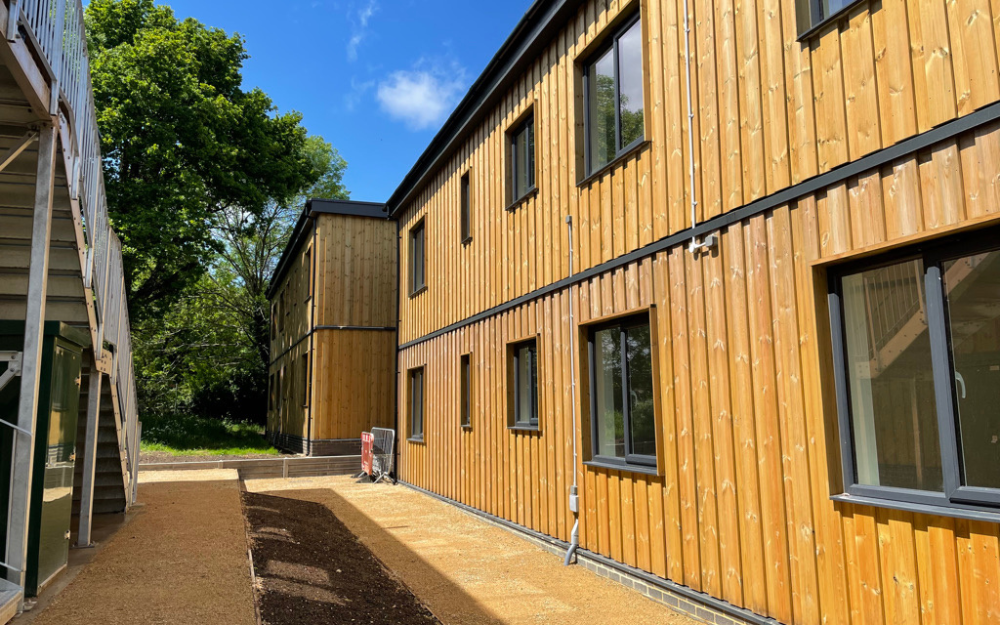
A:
(182, 560)
(311, 569)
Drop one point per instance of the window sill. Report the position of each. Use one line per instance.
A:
(969, 513)
(467, 240)
(467, 427)
(638, 147)
(530, 193)
(418, 291)
(524, 428)
(826, 21)
(419, 440)
(625, 468)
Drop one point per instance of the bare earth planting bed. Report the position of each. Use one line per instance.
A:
(311, 569)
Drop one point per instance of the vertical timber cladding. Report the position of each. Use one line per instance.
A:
(337, 347)
(770, 112)
(746, 417)
(747, 425)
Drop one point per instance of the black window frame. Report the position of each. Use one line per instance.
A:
(527, 124)
(611, 44)
(306, 381)
(272, 392)
(419, 229)
(531, 423)
(623, 325)
(956, 499)
(416, 434)
(465, 199)
(309, 274)
(809, 17)
(465, 392)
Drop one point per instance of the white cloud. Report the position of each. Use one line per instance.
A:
(360, 30)
(422, 97)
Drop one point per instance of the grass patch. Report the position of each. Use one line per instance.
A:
(194, 436)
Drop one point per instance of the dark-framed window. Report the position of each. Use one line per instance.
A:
(525, 381)
(417, 265)
(416, 383)
(622, 414)
(522, 159)
(281, 392)
(271, 393)
(282, 310)
(274, 321)
(466, 199)
(810, 15)
(306, 382)
(917, 364)
(466, 397)
(614, 104)
(308, 274)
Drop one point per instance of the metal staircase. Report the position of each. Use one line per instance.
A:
(112, 481)
(53, 213)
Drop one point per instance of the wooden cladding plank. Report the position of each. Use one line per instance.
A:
(741, 507)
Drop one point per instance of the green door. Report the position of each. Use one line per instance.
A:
(57, 452)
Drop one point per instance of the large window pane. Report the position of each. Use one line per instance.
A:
(466, 390)
(417, 405)
(466, 207)
(609, 409)
(642, 423)
(523, 160)
(417, 261)
(529, 158)
(890, 378)
(526, 412)
(601, 106)
(972, 292)
(630, 85)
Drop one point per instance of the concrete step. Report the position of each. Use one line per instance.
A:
(10, 597)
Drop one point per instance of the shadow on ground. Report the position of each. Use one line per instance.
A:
(312, 569)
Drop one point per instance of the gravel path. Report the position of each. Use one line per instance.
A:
(182, 560)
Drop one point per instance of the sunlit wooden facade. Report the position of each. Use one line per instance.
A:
(333, 331)
(874, 132)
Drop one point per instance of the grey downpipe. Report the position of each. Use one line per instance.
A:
(709, 241)
(574, 497)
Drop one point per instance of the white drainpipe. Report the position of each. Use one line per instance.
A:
(709, 241)
(574, 498)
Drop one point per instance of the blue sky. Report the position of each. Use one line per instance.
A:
(376, 78)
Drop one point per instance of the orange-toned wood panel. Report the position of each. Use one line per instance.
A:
(741, 507)
(356, 271)
(353, 383)
(770, 111)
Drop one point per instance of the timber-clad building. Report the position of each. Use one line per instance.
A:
(731, 269)
(333, 329)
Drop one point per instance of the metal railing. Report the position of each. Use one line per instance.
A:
(56, 30)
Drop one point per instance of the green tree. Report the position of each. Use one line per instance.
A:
(209, 354)
(182, 143)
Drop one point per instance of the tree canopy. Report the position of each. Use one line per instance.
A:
(205, 181)
(183, 142)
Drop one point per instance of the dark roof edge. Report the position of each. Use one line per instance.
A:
(304, 226)
(347, 207)
(535, 31)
